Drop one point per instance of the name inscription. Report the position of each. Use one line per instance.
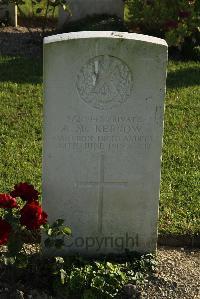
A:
(117, 133)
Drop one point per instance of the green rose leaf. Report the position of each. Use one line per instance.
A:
(62, 275)
(66, 231)
(59, 222)
(49, 232)
(21, 260)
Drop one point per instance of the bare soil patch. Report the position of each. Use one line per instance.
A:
(19, 41)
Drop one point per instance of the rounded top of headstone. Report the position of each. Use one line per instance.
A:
(104, 34)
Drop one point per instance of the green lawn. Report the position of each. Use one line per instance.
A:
(180, 200)
(21, 138)
(20, 122)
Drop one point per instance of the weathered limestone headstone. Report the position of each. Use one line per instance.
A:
(83, 8)
(104, 102)
(9, 12)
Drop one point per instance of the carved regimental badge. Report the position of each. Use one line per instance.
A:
(104, 82)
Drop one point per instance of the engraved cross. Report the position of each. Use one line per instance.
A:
(101, 183)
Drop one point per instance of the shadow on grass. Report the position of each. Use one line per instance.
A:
(21, 70)
(29, 70)
(185, 77)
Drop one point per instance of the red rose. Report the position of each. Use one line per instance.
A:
(5, 229)
(32, 215)
(7, 201)
(171, 24)
(25, 191)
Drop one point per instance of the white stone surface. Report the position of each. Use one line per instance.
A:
(9, 11)
(83, 8)
(103, 126)
(13, 14)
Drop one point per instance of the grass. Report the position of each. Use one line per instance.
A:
(179, 208)
(21, 137)
(20, 122)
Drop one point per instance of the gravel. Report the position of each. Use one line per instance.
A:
(177, 276)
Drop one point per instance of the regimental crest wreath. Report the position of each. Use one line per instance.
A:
(104, 82)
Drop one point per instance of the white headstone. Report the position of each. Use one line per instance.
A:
(9, 12)
(83, 8)
(104, 102)
(13, 14)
